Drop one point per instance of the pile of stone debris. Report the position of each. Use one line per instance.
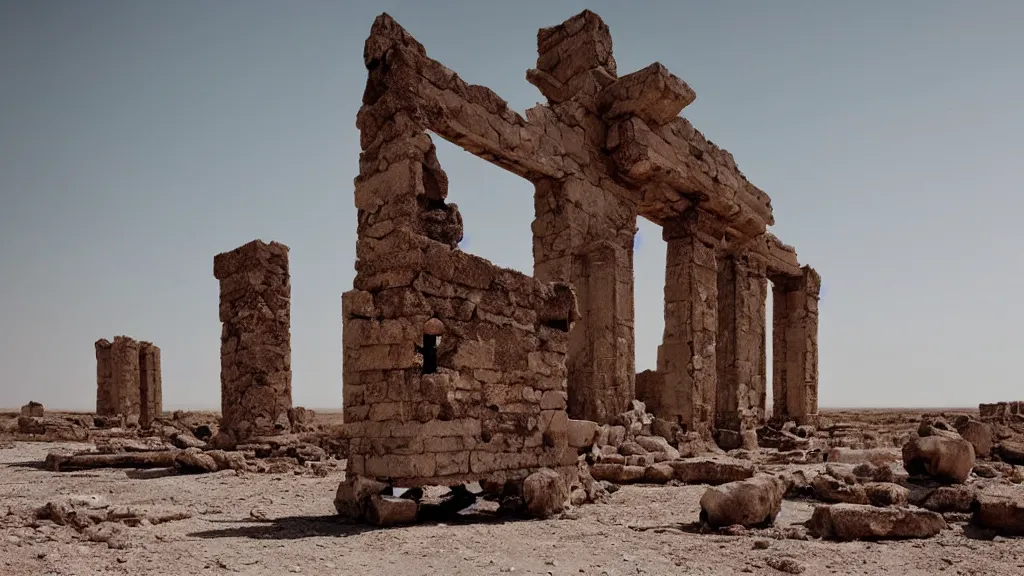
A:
(912, 486)
(187, 443)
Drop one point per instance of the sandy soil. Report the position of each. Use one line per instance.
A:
(283, 523)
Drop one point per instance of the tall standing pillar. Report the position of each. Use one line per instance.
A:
(255, 349)
(687, 358)
(150, 384)
(741, 346)
(795, 346)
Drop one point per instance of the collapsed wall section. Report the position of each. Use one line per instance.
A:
(255, 304)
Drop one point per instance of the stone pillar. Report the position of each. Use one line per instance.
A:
(686, 357)
(104, 379)
(795, 347)
(255, 349)
(583, 235)
(124, 362)
(151, 384)
(740, 345)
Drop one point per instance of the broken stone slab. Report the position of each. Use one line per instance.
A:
(195, 461)
(390, 510)
(657, 444)
(827, 488)
(979, 434)
(652, 94)
(847, 522)
(1002, 511)
(713, 471)
(941, 457)
(658, 473)
(545, 493)
(956, 498)
(752, 502)
(886, 494)
(876, 456)
(1011, 451)
(617, 473)
(582, 433)
(353, 496)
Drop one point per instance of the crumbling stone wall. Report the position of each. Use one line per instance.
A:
(601, 151)
(454, 368)
(255, 304)
(1001, 410)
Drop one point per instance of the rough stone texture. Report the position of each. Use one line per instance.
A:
(255, 342)
(33, 410)
(1002, 511)
(600, 152)
(795, 347)
(847, 522)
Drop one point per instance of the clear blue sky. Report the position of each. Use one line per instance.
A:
(139, 139)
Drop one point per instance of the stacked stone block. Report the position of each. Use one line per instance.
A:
(256, 377)
(119, 380)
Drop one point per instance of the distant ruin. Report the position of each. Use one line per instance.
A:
(255, 349)
(488, 396)
(128, 380)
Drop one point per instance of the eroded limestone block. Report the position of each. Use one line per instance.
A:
(941, 457)
(752, 502)
(846, 522)
(545, 493)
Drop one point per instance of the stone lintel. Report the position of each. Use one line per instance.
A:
(679, 157)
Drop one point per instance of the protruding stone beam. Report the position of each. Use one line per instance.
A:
(779, 258)
(795, 347)
(652, 94)
(687, 359)
(679, 158)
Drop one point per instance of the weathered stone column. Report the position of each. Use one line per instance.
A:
(104, 379)
(795, 347)
(687, 359)
(590, 245)
(741, 346)
(151, 384)
(256, 357)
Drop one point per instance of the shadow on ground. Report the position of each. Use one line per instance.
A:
(296, 527)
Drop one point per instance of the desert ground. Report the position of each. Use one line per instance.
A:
(284, 521)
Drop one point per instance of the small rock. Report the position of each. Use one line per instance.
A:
(391, 511)
(761, 544)
(787, 565)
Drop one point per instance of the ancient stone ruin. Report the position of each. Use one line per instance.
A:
(128, 382)
(455, 369)
(255, 349)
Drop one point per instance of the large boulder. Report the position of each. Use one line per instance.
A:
(979, 434)
(713, 471)
(1001, 511)
(846, 522)
(752, 502)
(943, 458)
(545, 493)
(957, 498)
